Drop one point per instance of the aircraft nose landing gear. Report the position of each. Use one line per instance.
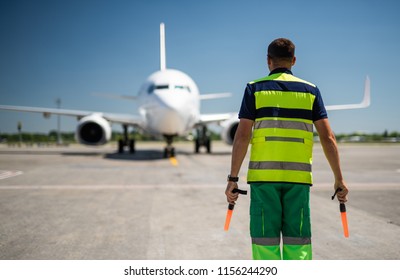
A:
(169, 151)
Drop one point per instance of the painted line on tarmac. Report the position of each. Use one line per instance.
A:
(173, 161)
(200, 186)
(150, 187)
(4, 174)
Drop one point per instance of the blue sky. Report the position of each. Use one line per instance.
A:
(70, 49)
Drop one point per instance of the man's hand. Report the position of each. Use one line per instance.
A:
(230, 196)
(341, 195)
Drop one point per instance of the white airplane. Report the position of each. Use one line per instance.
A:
(169, 106)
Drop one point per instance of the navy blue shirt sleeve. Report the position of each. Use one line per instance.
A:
(248, 107)
(319, 111)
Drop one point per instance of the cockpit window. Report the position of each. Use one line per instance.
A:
(150, 89)
(162, 87)
(183, 87)
(153, 87)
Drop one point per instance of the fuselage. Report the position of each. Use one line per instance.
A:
(169, 103)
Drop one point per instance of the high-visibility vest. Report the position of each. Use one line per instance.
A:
(282, 140)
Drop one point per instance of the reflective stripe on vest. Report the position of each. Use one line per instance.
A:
(283, 124)
(282, 139)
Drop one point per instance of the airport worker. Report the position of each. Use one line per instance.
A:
(277, 115)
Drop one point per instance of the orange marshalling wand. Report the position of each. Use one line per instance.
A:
(343, 214)
(228, 216)
(230, 209)
(344, 220)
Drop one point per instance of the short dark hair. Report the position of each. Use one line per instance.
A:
(281, 49)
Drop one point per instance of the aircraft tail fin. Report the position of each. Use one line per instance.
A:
(163, 64)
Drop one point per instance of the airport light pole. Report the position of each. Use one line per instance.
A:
(19, 127)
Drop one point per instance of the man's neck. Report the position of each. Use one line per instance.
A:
(281, 70)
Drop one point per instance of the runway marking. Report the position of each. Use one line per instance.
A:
(150, 187)
(173, 161)
(4, 174)
(217, 187)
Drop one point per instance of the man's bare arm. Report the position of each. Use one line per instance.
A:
(328, 142)
(239, 150)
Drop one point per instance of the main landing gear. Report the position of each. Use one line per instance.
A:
(126, 142)
(203, 140)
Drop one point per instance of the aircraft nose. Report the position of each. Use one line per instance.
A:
(172, 115)
(172, 102)
(168, 121)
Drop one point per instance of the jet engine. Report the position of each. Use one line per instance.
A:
(229, 128)
(93, 130)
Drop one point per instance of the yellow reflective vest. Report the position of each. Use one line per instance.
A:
(282, 140)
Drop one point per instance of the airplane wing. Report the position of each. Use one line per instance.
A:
(111, 117)
(115, 96)
(209, 96)
(210, 118)
(364, 103)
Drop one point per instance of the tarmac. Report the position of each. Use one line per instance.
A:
(78, 203)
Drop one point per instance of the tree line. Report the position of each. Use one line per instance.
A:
(69, 137)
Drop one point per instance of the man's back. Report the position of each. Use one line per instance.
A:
(284, 110)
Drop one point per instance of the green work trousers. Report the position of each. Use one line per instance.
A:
(280, 208)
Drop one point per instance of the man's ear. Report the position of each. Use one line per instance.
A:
(294, 61)
(269, 62)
